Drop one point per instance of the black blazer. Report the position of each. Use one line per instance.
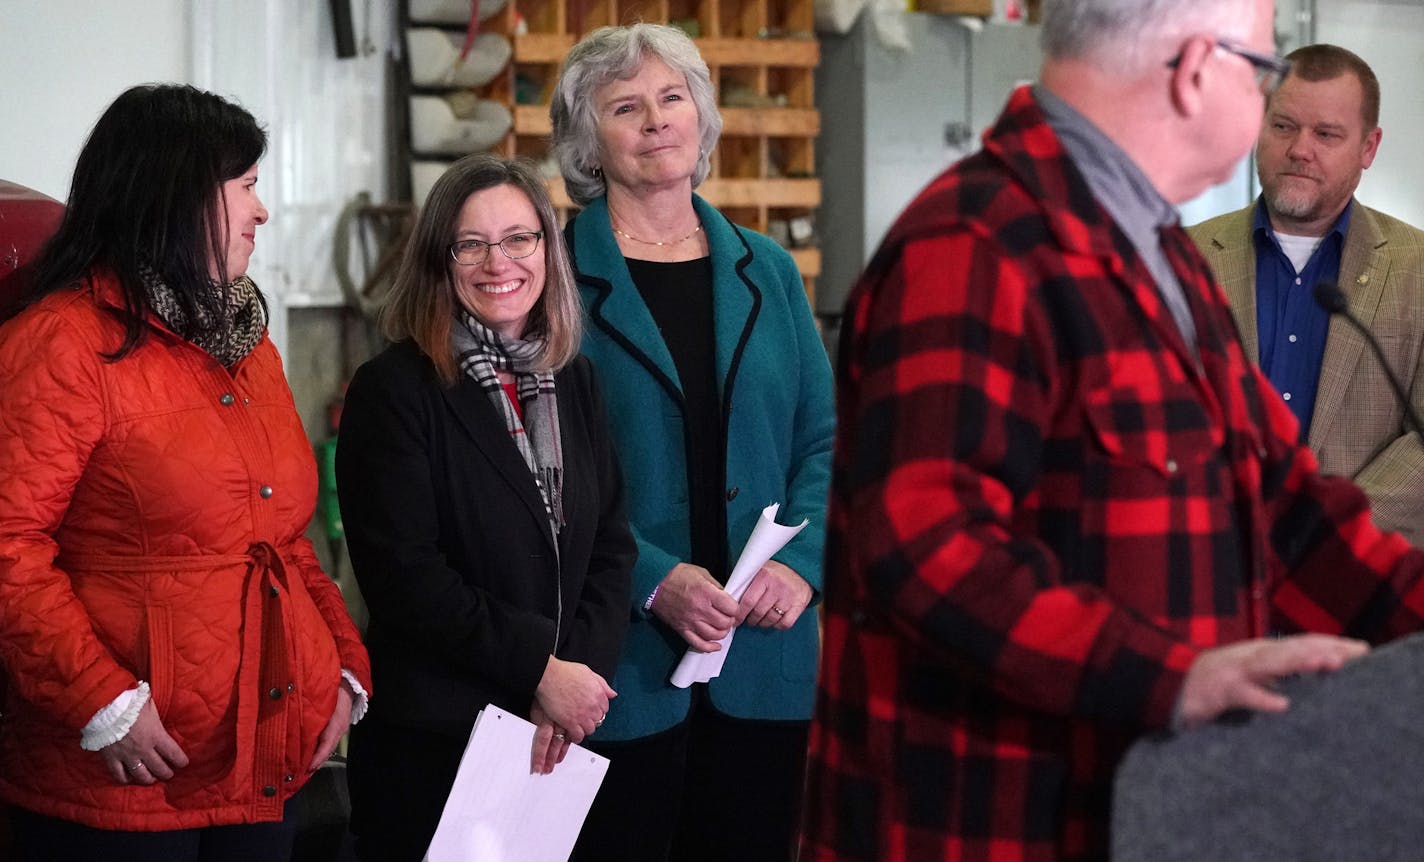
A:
(452, 549)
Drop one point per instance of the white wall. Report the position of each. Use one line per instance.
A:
(1390, 37)
(325, 122)
(63, 61)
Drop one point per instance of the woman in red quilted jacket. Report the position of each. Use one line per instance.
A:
(179, 664)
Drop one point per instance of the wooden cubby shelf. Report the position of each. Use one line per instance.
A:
(542, 47)
(762, 55)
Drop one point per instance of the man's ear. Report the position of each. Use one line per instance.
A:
(1371, 147)
(1189, 74)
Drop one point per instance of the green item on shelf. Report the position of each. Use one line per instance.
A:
(327, 507)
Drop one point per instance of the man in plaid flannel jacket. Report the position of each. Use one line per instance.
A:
(1066, 510)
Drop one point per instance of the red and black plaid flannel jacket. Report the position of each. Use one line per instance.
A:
(1044, 505)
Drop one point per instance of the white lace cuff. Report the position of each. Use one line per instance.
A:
(113, 722)
(363, 700)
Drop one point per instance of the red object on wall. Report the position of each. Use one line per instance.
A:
(27, 219)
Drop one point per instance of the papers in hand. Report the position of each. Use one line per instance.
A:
(499, 812)
(766, 539)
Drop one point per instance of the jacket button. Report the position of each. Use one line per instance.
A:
(732, 493)
(269, 791)
(291, 686)
(265, 491)
(273, 591)
(227, 400)
(275, 694)
(1171, 466)
(287, 777)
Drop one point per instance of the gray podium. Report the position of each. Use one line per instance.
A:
(1339, 776)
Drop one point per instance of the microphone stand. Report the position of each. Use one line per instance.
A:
(1329, 297)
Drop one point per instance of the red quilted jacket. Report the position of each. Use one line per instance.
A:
(151, 520)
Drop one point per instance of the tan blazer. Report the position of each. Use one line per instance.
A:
(1357, 429)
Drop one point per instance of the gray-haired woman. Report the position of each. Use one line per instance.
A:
(719, 397)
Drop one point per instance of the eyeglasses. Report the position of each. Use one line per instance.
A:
(1270, 70)
(472, 252)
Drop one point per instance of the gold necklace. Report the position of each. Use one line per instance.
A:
(627, 235)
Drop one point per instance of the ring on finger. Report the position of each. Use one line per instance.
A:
(133, 767)
(779, 611)
(559, 735)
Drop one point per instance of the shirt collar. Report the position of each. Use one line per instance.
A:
(1113, 177)
(1261, 221)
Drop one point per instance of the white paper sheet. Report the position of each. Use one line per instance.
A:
(766, 539)
(498, 812)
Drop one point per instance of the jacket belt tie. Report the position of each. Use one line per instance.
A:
(269, 714)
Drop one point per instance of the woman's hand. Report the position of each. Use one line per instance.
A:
(550, 743)
(146, 753)
(775, 598)
(336, 726)
(573, 697)
(695, 606)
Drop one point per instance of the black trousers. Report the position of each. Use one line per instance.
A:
(50, 839)
(712, 789)
(399, 779)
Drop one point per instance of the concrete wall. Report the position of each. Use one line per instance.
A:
(1390, 37)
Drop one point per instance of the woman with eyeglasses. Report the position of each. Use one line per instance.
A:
(482, 503)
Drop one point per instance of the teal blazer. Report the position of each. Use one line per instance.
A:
(775, 383)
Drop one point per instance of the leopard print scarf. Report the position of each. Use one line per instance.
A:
(228, 330)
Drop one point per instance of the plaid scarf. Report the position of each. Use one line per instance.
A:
(228, 325)
(481, 351)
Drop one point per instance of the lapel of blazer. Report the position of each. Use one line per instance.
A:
(1227, 245)
(736, 299)
(1364, 265)
(485, 428)
(617, 309)
(613, 302)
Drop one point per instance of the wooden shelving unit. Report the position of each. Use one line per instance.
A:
(762, 55)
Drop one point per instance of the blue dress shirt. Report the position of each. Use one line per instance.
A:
(1292, 327)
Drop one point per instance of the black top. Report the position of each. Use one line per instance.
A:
(679, 295)
(452, 549)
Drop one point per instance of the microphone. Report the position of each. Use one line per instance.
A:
(1329, 297)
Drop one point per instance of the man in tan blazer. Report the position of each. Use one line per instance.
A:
(1321, 132)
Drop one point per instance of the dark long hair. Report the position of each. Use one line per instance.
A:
(147, 191)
